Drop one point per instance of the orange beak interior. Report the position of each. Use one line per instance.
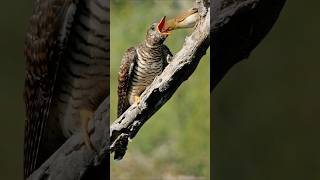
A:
(161, 25)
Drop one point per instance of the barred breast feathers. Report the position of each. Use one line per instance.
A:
(150, 64)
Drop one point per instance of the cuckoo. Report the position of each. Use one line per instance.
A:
(141, 64)
(67, 73)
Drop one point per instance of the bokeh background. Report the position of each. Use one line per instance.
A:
(175, 142)
(266, 110)
(14, 17)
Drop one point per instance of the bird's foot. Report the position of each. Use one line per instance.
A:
(86, 116)
(137, 100)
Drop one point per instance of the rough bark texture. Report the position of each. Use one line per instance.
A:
(163, 87)
(73, 160)
(237, 28)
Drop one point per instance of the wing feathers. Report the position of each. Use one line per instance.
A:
(42, 52)
(128, 62)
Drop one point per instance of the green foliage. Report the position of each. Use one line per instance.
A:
(176, 140)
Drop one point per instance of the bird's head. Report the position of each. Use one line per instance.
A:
(154, 34)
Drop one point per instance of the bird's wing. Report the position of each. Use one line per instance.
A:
(44, 45)
(185, 14)
(128, 62)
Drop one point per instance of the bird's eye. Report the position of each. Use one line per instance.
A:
(153, 27)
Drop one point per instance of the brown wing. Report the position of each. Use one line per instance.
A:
(128, 62)
(44, 44)
(185, 14)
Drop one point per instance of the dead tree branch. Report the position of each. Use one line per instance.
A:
(163, 87)
(73, 160)
(238, 27)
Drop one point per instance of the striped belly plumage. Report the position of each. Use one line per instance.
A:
(149, 65)
(83, 80)
(84, 83)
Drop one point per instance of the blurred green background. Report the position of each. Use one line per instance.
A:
(266, 110)
(175, 142)
(14, 17)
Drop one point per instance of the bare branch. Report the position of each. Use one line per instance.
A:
(73, 160)
(163, 87)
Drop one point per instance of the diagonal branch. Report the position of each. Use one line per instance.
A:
(163, 87)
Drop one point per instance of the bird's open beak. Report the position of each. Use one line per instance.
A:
(161, 25)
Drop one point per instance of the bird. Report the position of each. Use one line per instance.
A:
(67, 74)
(141, 64)
(187, 19)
